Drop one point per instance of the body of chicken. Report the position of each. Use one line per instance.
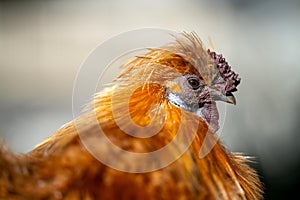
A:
(166, 84)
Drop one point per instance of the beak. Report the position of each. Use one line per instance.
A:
(218, 96)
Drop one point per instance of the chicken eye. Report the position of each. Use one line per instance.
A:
(194, 83)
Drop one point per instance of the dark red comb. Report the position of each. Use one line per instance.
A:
(230, 77)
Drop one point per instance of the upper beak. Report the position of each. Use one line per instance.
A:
(218, 96)
(226, 98)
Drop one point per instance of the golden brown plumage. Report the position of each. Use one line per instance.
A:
(62, 168)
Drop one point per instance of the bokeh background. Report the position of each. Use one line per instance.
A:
(43, 43)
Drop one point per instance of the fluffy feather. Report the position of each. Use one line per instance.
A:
(61, 168)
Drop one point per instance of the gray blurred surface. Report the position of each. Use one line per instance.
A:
(43, 43)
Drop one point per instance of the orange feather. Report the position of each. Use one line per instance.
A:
(62, 168)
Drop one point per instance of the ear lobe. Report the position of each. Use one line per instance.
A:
(174, 87)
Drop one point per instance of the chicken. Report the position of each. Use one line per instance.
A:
(163, 100)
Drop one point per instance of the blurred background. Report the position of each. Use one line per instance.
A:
(43, 43)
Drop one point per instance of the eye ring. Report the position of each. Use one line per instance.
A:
(194, 83)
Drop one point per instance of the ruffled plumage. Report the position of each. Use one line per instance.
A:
(61, 167)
